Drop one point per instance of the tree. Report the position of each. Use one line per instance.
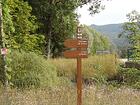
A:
(4, 14)
(58, 20)
(95, 5)
(131, 30)
(20, 26)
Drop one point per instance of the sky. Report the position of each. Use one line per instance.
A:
(115, 12)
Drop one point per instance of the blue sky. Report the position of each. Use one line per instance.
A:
(115, 12)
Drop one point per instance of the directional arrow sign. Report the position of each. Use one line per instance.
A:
(75, 43)
(76, 54)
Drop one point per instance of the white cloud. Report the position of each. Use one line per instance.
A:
(115, 12)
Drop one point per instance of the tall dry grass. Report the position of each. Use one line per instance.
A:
(67, 96)
(93, 65)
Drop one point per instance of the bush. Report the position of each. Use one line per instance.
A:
(131, 77)
(127, 77)
(31, 70)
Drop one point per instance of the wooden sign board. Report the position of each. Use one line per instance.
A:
(76, 54)
(75, 43)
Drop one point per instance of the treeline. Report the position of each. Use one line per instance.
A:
(97, 41)
(42, 26)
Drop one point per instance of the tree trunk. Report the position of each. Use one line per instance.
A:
(1, 26)
(49, 47)
(2, 45)
(48, 36)
(49, 32)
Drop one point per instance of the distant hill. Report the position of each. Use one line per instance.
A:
(112, 31)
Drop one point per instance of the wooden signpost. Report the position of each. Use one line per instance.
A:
(75, 54)
(81, 52)
(76, 43)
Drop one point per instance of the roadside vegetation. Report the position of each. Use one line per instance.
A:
(34, 71)
(36, 81)
(31, 70)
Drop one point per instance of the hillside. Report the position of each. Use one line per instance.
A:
(112, 31)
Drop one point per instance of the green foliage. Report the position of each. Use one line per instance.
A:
(33, 43)
(128, 77)
(131, 77)
(132, 32)
(24, 22)
(20, 27)
(96, 40)
(57, 22)
(19, 32)
(95, 5)
(30, 70)
(100, 78)
(7, 18)
(24, 27)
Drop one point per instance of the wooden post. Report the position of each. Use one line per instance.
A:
(79, 73)
(79, 81)
(81, 52)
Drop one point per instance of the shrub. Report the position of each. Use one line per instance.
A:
(129, 77)
(31, 70)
